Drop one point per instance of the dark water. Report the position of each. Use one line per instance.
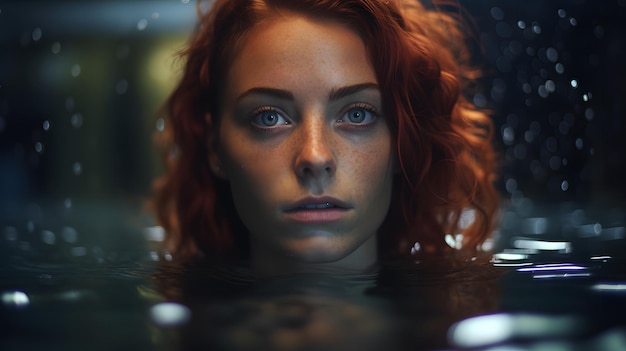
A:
(536, 293)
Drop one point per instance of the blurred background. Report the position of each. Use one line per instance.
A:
(81, 83)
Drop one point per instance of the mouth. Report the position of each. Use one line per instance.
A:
(325, 203)
(318, 210)
(322, 206)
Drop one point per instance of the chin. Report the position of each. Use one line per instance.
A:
(318, 249)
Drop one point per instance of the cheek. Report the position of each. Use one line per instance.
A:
(251, 170)
(374, 163)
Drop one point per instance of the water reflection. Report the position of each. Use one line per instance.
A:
(15, 299)
(500, 328)
(544, 299)
(404, 306)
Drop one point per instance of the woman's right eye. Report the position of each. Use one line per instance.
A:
(267, 118)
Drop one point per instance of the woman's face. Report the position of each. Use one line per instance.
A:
(305, 145)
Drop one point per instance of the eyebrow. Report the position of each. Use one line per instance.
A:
(335, 94)
(342, 92)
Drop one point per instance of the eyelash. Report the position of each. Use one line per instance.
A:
(362, 106)
(257, 113)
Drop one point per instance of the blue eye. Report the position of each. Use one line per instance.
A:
(267, 118)
(358, 115)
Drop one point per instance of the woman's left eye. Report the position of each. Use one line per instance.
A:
(358, 115)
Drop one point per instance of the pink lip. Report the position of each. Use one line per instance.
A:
(317, 210)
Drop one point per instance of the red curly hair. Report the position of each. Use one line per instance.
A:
(442, 141)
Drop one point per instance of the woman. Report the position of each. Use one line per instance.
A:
(311, 134)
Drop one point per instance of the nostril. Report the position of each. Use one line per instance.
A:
(316, 168)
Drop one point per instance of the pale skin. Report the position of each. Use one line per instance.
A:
(306, 147)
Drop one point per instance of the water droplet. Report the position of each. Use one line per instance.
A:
(574, 83)
(75, 70)
(480, 100)
(527, 88)
(77, 120)
(36, 34)
(551, 144)
(542, 91)
(46, 125)
(535, 127)
(78, 251)
(573, 21)
(39, 147)
(562, 13)
(515, 47)
(599, 31)
(508, 135)
(555, 163)
(564, 185)
(535, 167)
(521, 24)
(552, 54)
(536, 28)
(69, 235)
(550, 86)
(67, 202)
(589, 114)
(529, 136)
(56, 47)
(121, 87)
(519, 151)
(528, 102)
(586, 97)
(160, 124)
(48, 237)
(579, 143)
(142, 24)
(559, 68)
(155, 15)
(497, 13)
(10, 233)
(77, 168)
(511, 185)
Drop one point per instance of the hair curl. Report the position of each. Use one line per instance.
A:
(442, 141)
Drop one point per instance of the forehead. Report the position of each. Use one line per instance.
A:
(291, 49)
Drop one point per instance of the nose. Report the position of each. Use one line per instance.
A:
(315, 158)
